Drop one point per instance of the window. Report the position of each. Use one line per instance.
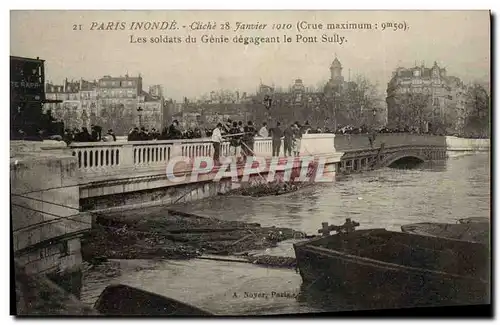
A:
(416, 73)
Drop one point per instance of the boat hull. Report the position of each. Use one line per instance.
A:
(477, 232)
(376, 284)
(125, 300)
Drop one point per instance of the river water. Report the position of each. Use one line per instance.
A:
(386, 198)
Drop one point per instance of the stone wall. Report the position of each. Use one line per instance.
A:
(462, 144)
(46, 221)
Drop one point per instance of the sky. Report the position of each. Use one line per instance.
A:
(456, 40)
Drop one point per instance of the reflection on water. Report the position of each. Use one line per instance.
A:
(388, 198)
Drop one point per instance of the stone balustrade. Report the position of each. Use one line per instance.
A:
(106, 158)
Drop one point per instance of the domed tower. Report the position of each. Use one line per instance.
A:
(298, 86)
(336, 82)
(336, 70)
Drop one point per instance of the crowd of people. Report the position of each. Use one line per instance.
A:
(172, 132)
(83, 135)
(242, 138)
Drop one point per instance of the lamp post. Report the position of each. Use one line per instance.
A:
(139, 112)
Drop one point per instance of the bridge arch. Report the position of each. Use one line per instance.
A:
(403, 158)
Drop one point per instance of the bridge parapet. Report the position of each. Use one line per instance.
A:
(109, 158)
(348, 142)
(101, 158)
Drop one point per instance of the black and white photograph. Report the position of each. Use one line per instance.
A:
(250, 162)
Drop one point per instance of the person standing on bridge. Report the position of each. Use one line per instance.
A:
(248, 140)
(216, 142)
(297, 137)
(276, 134)
(263, 133)
(371, 137)
(235, 140)
(288, 141)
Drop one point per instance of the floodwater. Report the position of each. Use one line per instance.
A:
(387, 198)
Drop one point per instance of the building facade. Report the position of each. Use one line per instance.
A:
(151, 109)
(111, 102)
(77, 98)
(118, 101)
(445, 97)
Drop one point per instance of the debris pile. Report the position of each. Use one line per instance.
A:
(274, 261)
(279, 185)
(172, 236)
(267, 189)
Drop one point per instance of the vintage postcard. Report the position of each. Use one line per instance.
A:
(244, 163)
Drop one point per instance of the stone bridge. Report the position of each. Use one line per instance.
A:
(109, 170)
(117, 174)
(388, 149)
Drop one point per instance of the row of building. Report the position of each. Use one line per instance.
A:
(112, 102)
(120, 102)
(320, 107)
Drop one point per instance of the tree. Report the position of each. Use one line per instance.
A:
(477, 121)
(58, 112)
(360, 100)
(93, 118)
(114, 117)
(412, 110)
(84, 118)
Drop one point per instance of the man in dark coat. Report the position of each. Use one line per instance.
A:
(288, 140)
(276, 135)
(248, 139)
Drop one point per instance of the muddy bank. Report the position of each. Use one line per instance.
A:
(175, 236)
